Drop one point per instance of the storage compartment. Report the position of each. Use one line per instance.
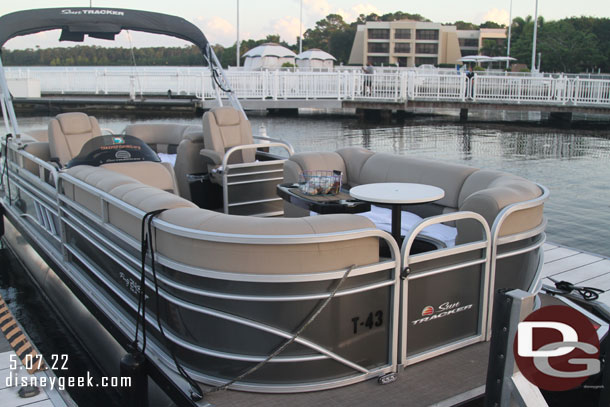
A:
(204, 193)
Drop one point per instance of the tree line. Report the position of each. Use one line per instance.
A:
(574, 44)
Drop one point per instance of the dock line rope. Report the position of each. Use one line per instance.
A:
(214, 71)
(147, 245)
(316, 311)
(5, 168)
(588, 293)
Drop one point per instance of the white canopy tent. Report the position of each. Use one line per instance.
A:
(268, 56)
(315, 58)
(478, 59)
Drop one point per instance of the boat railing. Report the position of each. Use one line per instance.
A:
(447, 281)
(258, 177)
(532, 240)
(94, 228)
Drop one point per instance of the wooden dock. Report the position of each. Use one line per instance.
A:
(577, 267)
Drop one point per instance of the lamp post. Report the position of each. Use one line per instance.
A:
(534, 39)
(237, 43)
(510, 28)
(301, 29)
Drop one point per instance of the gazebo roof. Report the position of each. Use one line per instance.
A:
(315, 53)
(270, 49)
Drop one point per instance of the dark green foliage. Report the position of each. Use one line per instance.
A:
(94, 55)
(573, 44)
(463, 25)
(493, 48)
(491, 24)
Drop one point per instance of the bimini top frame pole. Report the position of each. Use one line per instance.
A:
(105, 23)
(8, 112)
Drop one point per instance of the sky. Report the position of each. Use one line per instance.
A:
(258, 18)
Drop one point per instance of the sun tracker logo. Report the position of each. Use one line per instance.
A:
(93, 12)
(429, 310)
(556, 348)
(444, 310)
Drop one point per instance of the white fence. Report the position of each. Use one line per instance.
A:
(384, 85)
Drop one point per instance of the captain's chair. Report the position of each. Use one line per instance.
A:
(223, 128)
(68, 132)
(248, 184)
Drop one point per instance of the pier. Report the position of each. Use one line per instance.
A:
(405, 89)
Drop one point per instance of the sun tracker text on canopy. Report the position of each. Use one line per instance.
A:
(102, 23)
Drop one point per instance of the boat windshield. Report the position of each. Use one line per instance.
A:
(113, 149)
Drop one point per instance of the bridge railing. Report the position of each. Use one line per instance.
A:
(437, 87)
(397, 85)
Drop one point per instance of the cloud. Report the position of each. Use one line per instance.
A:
(317, 8)
(321, 8)
(287, 28)
(365, 9)
(496, 15)
(217, 29)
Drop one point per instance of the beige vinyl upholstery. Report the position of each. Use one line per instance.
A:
(184, 140)
(258, 258)
(123, 187)
(188, 161)
(158, 175)
(466, 188)
(41, 135)
(162, 137)
(223, 128)
(68, 132)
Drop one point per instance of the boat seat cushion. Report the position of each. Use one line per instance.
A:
(162, 137)
(442, 235)
(466, 188)
(123, 187)
(383, 167)
(226, 127)
(188, 161)
(276, 257)
(68, 132)
(271, 258)
(158, 175)
(329, 161)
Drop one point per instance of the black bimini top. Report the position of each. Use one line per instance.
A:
(104, 23)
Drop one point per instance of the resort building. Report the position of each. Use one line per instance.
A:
(414, 43)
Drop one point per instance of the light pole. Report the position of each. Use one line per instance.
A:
(534, 39)
(510, 28)
(301, 29)
(237, 43)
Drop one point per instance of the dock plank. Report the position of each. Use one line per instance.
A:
(558, 253)
(602, 280)
(585, 274)
(10, 398)
(576, 265)
(549, 246)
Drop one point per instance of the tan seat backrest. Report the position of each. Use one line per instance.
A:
(68, 132)
(226, 127)
(188, 161)
(161, 137)
(158, 175)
